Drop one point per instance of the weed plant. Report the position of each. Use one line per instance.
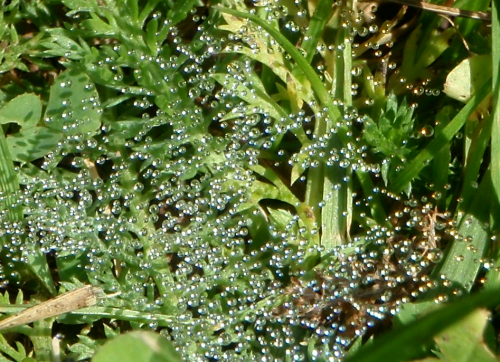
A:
(255, 181)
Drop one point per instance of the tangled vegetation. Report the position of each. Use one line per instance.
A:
(268, 180)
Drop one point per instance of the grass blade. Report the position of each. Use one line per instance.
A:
(461, 264)
(493, 276)
(9, 185)
(8, 182)
(405, 342)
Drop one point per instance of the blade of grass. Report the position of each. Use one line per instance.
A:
(473, 165)
(416, 165)
(9, 186)
(8, 183)
(336, 216)
(405, 342)
(462, 261)
(441, 161)
(493, 276)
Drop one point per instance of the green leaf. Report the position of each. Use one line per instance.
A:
(17, 354)
(74, 105)
(98, 27)
(137, 347)
(460, 265)
(440, 42)
(32, 143)
(272, 57)
(61, 40)
(257, 191)
(441, 139)
(181, 10)
(393, 129)
(258, 98)
(468, 77)
(25, 110)
(80, 5)
(388, 347)
(151, 31)
(42, 339)
(463, 342)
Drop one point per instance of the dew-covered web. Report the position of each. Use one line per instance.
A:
(189, 196)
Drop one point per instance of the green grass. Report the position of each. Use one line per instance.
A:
(290, 181)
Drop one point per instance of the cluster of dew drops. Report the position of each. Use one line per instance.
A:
(158, 207)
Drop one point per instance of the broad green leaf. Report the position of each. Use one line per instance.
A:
(440, 42)
(62, 39)
(421, 331)
(74, 105)
(468, 77)
(32, 143)
(151, 32)
(138, 347)
(493, 275)
(301, 164)
(461, 263)
(42, 339)
(463, 342)
(25, 110)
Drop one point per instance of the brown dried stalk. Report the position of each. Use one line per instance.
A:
(440, 9)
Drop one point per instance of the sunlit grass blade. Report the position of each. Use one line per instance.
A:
(462, 260)
(406, 342)
(416, 165)
(336, 215)
(473, 165)
(493, 276)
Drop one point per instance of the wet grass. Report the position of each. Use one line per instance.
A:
(295, 181)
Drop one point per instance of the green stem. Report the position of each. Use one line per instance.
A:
(316, 27)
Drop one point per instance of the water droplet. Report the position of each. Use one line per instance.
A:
(427, 131)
